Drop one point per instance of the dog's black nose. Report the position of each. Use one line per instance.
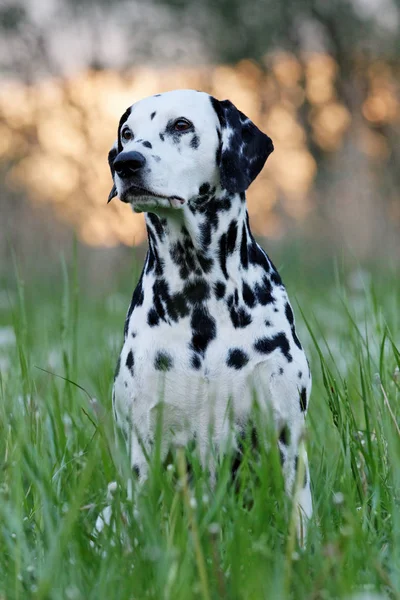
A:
(128, 163)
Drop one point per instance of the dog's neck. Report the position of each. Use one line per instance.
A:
(208, 236)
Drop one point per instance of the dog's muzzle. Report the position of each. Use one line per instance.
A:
(129, 167)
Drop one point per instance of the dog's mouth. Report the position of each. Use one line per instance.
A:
(136, 191)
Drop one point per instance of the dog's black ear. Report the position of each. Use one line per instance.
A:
(111, 157)
(243, 147)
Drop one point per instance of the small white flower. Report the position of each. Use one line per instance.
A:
(295, 556)
(359, 280)
(67, 421)
(5, 363)
(213, 528)
(54, 359)
(72, 592)
(7, 336)
(376, 379)
(193, 502)
(338, 498)
(112, 487)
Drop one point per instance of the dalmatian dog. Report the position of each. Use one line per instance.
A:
(210, 326)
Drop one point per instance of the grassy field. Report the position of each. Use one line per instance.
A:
(58, 455)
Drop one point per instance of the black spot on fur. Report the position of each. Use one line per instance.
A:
(147, 145)
(153, 114)
(296, 466)
(137, 300)
(237, 358)
(268, 323)
(194, 142)
(205, 234)
(232, 235)
(195, 361)
(188, 259)
(136, 471)
(153, 259)
(248, 295)
(163, 361)
(156, 157)
(280, 371)
(130, 362)
(161, 137)
(300, 374)
(244, 258)
(196, 291)
(219, 289)
(222, 254)
(284, 436)
(303, 399)
(117, 368)
(204, 330)
(183, 257)
(275, 277)
(158, 305)
(296, 339)
(236, 463)
(205, 263)
(218, 152)
(263, 291)
(177, 306)
(204, 189)
(257, 256)
(155, 221)
(210, 210)
(290, 318)
(177, 253)
(289, 313)
(153, 318)
(279, 341)
(240, 317)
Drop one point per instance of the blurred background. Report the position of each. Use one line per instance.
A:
(321, 78)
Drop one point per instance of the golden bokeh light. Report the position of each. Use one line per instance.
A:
(55, 135)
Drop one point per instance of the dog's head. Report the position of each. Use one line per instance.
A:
(171, 146)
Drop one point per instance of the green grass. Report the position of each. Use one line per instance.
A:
(58, 454)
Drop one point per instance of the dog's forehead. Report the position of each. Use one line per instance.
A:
(191, 104)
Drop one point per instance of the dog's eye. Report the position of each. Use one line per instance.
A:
(126, 135)
(182, 125)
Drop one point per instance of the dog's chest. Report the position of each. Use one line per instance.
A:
(200, 357)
